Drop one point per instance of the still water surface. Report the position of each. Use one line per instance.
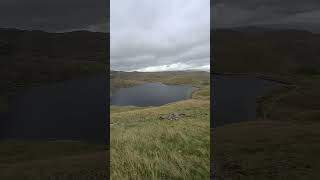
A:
(69, 110)
(235, 97)
(77, 109)
(150, 94)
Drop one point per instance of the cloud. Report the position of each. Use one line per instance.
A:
(159, 34)
(174, 67)
(303, 17)
(234, 13)
(56, 15)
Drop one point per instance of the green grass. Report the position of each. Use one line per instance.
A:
(127, 79)
(267, 150)
(145, 147)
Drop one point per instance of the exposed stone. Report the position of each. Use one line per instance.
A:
(172, 116)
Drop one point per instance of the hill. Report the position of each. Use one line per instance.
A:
(30, 58)
(265, 50)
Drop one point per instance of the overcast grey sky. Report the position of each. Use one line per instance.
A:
(160, 35)
(302, 14)
(55, 15)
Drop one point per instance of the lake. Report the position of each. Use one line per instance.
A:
(78, 109)
(70, 110)
(235, 97)
(150, 94)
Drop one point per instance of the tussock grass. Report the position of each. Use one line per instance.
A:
(145, 147)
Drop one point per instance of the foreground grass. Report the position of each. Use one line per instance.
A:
(267, 150)
(145, 147)
(282, 144)
(56, 160)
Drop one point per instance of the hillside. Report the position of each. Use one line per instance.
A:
(120, 79)
(280, 143)
(30, 58)
(264, 50)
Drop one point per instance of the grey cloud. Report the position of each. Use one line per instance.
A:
(56, 15)
(232, 13)
(148, 33)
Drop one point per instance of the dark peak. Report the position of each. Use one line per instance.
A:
(9, 29)
(45, 32)
(21, 30)
(83, 32)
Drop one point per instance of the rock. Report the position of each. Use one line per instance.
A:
(171, 116)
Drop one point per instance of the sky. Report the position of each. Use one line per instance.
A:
(55, 15)
(166, 35)
(299, 14)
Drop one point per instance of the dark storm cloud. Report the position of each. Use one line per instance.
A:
(55, 15)
(160, 35)
(231, 13)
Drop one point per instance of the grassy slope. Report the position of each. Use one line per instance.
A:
(283, 142)
(145, 147)
(37, 160)
(276, 52)
(267, 150)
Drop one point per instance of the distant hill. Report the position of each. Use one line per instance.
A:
(29, 58)
(120, 79)
(37, 56)
(91, 46)
(265, 50)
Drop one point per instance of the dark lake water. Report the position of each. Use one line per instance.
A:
(150, 94)
(234, 97)
(78, 109)
(70, 110)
